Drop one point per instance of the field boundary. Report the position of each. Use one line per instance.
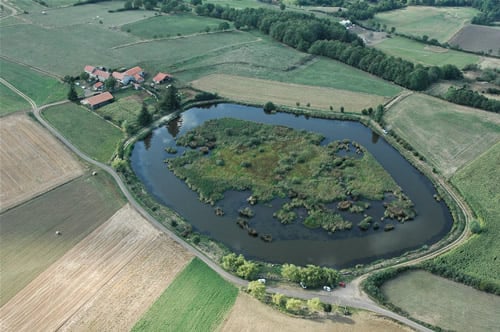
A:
(39, 70)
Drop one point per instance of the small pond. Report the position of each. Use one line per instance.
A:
(293, 243)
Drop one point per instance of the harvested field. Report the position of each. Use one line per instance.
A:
(478, 38)
(440, 23)
(32, 161)
(442, 302)
(248, 314)
(105, 282)
(447, 135)
(486, 62)
(261, 91)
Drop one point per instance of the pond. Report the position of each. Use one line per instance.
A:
(292, 243)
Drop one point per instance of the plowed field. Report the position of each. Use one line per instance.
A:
(32, 161)
(105, 282)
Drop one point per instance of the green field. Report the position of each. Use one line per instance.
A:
(240, 4)
(442, 302)
(447, 135)
(478, 182)
(42, 89)
(87, 131)
(167, 26)
(440, 23)
(425, 54)
(28, 244)
(11, 101)
(197, 300)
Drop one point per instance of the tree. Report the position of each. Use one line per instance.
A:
(257, 290)
(144, 118)
(278, 299)
(282, 6)
(290, 272)
(72, 95)
(224, 26)
(170, 100)
(84, 76)
(196, 2)
(247, 270)
(293, 305)
(315, 304)
(110, 83)
(269, 107)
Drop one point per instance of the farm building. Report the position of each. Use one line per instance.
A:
(161, 78)
(98, 86)
(135, 74)
(99, 100)
(89, 69)
(98, 74)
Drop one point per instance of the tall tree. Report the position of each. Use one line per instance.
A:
(72, 95)
(144, 118)
(170, 100)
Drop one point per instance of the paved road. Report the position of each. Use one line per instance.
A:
(350, 296)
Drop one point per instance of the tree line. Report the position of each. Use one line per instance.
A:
(323, 37)
(467, 97)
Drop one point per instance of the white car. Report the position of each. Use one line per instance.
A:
(303, 285)
(326, 288)
(262, 281)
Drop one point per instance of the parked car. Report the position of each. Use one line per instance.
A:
(303, 285)
(326, 288)
(262, 280)
(342, 284)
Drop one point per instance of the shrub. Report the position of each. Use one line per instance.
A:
(269, 107)
(475, 227)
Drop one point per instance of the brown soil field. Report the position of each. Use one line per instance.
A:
(248, 314)
(28, 244)
(259, 91)
(106, 282)
(486, 62)
(477, 38)
(32, 161)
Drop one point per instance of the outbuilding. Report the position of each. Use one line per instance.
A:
(99, 100)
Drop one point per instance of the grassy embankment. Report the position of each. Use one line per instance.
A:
(447, 135)
(86, 130)
(442, 302)
(440, 23)
(197, 300)
(11, 101)
(28, 244)
(425, 54)
(245, 156)
(41, 88)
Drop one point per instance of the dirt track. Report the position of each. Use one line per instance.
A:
(32, 161)
(105, 282)
(248, 314)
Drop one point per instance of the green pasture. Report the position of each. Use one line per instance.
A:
(87, 131)
(29, 6)
(11, 102)
(241, 4)
(42, 89)
(170, 25)
(440, 23)
(27, 242)
(478, 182)
(425, 54)
(443, 302)
(92, 14)
(447, 135)
(197, 300)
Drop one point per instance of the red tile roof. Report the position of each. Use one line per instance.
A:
(101, 73)
(98, 85)
(118, 76)
(133, 71)
(160, 77)
(138, 78)
(89, 69)
(99, 99)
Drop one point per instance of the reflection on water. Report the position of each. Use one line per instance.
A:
(293, 243)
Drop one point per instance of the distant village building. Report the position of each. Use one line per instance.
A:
(99, 100)
(346, 23)
(161, 78)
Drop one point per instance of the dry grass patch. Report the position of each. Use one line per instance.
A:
(106, 282)
(248, 314)
(32, 161)
(446, 134)
(259, 91)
